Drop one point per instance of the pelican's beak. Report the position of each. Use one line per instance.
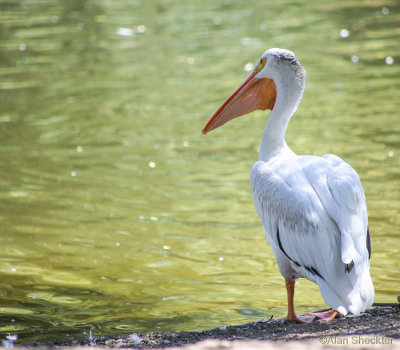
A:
(254, 93)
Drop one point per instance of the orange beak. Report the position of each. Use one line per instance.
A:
(253, 94)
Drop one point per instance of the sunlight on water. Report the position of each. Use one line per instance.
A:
(117, 215)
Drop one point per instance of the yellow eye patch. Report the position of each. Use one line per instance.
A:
(261, 64)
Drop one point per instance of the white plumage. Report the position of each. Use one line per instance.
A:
(314, 216)
(313, 209)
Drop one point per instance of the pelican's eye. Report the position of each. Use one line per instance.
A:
(261, 64)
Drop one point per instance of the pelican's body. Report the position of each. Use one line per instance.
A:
(312, 208)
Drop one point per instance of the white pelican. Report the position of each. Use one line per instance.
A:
(312, 208)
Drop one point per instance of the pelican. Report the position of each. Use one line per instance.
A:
(313, 209)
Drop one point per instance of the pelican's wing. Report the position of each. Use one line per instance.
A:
(294, 219)
(342, 196)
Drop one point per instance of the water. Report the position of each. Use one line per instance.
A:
(117, 215)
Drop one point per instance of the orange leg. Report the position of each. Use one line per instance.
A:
(291, 316)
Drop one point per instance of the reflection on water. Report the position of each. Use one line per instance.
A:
(117, 215)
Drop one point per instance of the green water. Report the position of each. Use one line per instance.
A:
(117, 215)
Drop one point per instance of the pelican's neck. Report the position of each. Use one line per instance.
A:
(288, 96)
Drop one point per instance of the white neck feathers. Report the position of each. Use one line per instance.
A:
(289, 88)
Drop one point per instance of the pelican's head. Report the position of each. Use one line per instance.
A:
(282, 67)
(277, 68)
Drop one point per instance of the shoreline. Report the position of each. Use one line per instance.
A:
(377, 326)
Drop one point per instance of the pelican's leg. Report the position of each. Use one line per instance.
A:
(291, 316)
(328, 315)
